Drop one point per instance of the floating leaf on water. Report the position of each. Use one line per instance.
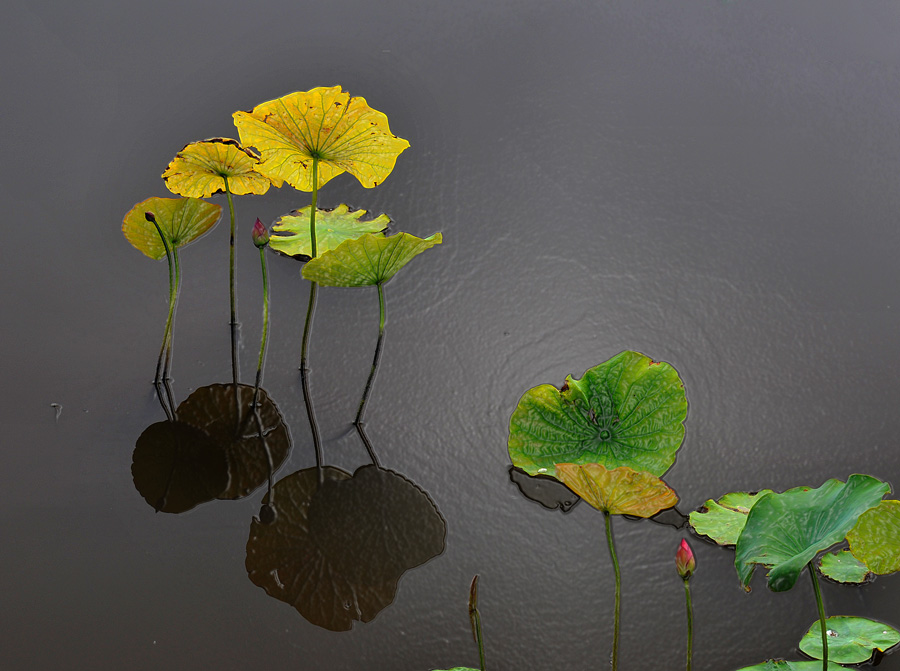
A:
(628, 411)
(851, 640)
(181, 220)
(290, 234)
(875, 540)
(337, 552)
(367, 260)
(617, 491)
(344, 133)
(543, 489)
(199, 170)
(841, 566)
(176, 467)
(786, 531)
(213, 410)
(782, 665)
(723, 520)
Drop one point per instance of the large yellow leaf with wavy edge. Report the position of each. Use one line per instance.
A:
(199, 170)
(619, 491)
(344, 133)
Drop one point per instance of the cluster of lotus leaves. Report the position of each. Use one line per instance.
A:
(344, 134)
(181, 221)
(628, 411)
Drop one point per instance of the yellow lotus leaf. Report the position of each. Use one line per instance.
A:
(343, 133)
(199, 170)
(619, 491)
(181, 220)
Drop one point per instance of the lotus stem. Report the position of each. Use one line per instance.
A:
(307, 328)
(821, 606)
(165, 343)
(475, 619)
(358, 422)
(690, 622)
(235, 372)
(170, 331)
(618, 603)
(259, 371)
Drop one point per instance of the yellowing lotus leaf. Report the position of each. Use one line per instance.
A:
(290, 234)
(200, 169)
(343, 133)
(619, 491)
(367, 260)
(181, 220)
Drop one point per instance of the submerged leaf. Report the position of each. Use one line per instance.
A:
(543, 489)
(367, 260)
(851, 640)
(875, 540)
(344, 133)
(290, 235)
(181, 220)
(628, 411)
(723, 520)
(782, 665)
(199, 170)
(843, 567)
(619, 491)
(786, 531)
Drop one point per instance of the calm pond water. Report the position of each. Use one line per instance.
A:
(715, 184)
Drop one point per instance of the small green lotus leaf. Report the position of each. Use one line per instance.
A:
(344, 133)
(199, 170)
(875, 540)
(290, 234)
(851, 640)
(462, 668)
(723, 520)
(181, 220)
(786, 531)
(628, 411)
(841, 566)
(370, 259)
(782, 665)
(618, 491)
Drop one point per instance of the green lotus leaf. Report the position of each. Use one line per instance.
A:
(617, 491)
(344, 133)
(786, 531)
(199, 170)
(875, 540)
(723, 520)
(782, 665)
(628, 411)
(370, 259)
(290, 234)
(841, 566)
(181, 220)
(462, 668)
(851, 640)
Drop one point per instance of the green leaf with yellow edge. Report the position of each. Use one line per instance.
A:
(181, 220)
(617, 491)
(782, 665)
(628, 411)
(343, 133)
(851, 640)
(723, 520)
(875, 540)
(200, 169)
(841, 566)
(367, 260)
(290, 234)
(786, 531)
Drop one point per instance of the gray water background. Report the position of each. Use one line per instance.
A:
(715, 184)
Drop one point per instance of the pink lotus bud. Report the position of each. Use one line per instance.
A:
(149, 216)
(260, 234)
(684, 560)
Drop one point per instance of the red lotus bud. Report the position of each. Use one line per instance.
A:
(684, 560)
(260, 234)
(149, 216)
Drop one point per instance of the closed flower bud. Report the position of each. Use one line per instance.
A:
(149, 216)
(260, 234)
(684, 560)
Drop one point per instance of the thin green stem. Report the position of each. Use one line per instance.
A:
(821, 606)
(690, 622)
(259, 370)
(235, 372)
(475, 619)
(615, 562)
(307, 328)
(358, 422)
(163, 348)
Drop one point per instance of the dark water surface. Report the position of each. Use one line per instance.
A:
(715, 184)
